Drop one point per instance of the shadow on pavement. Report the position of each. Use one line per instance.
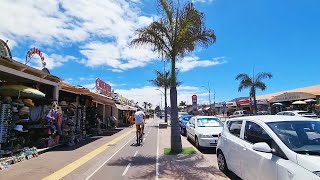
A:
(171, 167)
(76, 146)
(233, 176)
(88, 140)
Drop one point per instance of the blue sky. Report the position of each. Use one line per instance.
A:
(89, 40)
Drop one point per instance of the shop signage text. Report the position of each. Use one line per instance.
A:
(103, 87)
(34, 51)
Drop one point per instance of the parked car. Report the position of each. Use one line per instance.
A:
(182, 114)
(204, 130)
(262, 113)
(240, 114)
(298, 113)
(183, 120)
(270, 147)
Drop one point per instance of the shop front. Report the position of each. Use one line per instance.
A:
(27, 95)
(292, 101)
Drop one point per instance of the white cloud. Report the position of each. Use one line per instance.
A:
(150, 94)
(86, 78)
(52, 60)
(190, 62)
(104, 27)
(89, 86)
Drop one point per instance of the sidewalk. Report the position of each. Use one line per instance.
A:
(58, 157)
(195, 166)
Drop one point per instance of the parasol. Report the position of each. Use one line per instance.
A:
(299, 103)
(20, 91)
(309, 100)
(277, 104)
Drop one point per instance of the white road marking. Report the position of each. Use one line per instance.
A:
(144, 139)
(135, 154)
(157, 162)
(126, 170)
(108, 159)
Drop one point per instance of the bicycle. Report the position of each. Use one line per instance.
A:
(139, 135)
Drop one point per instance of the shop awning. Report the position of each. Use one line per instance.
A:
(120, 107)
(10, 70)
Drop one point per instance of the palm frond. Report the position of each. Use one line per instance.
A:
(260, 85)
(243, 76)
(263, 75)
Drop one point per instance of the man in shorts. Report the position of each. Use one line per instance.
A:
(139, 119)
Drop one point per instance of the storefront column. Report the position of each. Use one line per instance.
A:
(104, 115)
(56, 90)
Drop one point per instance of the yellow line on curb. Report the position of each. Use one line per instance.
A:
(74, 165)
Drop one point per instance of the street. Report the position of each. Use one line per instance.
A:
(118, 157)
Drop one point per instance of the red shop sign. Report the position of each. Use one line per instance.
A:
(103, 87)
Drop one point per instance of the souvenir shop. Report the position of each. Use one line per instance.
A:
(29, 113)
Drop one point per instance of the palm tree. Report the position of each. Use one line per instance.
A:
(182, 103)
(145, 105)
(163, 80)
(175, 34)
(253, 83)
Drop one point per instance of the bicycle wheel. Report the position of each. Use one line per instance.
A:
(138, 137)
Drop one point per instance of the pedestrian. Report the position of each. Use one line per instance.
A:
(131, 120)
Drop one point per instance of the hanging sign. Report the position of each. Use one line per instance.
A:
(194, 101)
(103, 87)
(32, 52)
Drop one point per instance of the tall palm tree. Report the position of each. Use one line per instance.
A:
(175, 34)
(253, 83)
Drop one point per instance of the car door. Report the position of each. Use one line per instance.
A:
(190, 128)
(258, 165)
(233, 147)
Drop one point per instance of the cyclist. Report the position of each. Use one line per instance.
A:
(139, 120)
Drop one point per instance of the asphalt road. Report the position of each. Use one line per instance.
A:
(131, 161)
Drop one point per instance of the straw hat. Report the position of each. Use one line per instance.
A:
(7, 99)
(18, 102)
(63, 103)
(20, 128)
(24, 110)
(73, 105)
(28, 102)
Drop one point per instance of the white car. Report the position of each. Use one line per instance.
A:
(270, 147)
(239, 114)
(298, 113)
(204, 130)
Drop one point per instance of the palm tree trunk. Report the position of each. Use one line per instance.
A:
(176, 145)
(165, 105)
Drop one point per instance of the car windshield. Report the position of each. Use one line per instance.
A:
(185, 118)
(303, 137)
(209, 122)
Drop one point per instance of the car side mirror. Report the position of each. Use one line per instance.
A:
(262, 147)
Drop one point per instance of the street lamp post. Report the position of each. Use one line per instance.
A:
(214, 97)
(165, 108)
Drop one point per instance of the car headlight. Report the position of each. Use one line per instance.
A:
(205, 136)
(317, 173)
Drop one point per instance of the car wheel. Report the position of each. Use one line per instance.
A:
(197, 144)
(222, 164)
(184, 131)
(188, 137)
